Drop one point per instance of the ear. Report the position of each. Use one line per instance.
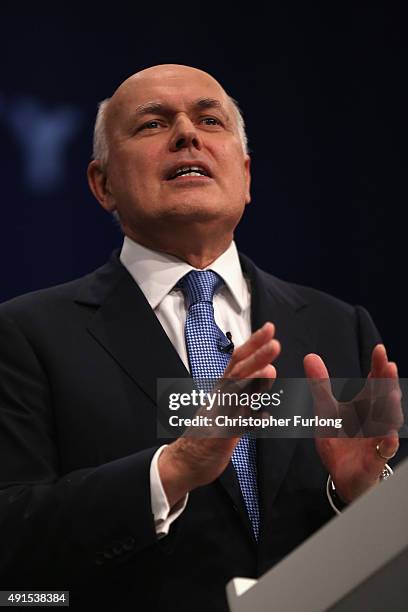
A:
(99, 185)
(247, 164)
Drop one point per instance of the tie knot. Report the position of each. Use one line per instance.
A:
(199, 286)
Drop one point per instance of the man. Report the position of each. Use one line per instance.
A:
(91, 499)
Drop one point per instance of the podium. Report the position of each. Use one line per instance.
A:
(356, 562)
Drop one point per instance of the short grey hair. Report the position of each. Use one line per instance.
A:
(100, 139)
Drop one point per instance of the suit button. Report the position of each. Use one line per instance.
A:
(108, 554)
(129, 543)
(99, 560)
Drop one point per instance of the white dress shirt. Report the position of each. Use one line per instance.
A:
(157, 274)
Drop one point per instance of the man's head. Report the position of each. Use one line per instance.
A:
(159, 123)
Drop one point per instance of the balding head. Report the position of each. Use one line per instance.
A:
(164, 73)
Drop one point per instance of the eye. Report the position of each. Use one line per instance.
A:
(211, 121)
(151, 125)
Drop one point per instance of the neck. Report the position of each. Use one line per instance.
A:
(198, 253)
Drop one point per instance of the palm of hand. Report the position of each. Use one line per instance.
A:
(373, 418)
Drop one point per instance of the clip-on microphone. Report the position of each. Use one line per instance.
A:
(228, 348)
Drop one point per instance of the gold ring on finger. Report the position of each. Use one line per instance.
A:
(379, 453)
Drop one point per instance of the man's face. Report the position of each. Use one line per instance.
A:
(174, 152)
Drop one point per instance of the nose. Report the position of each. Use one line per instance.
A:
(185, 135)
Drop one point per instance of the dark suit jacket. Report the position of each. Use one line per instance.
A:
(78, 370)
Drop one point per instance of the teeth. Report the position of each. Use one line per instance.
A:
(192, 174)
(190, 171)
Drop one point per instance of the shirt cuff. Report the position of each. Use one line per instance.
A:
(336, 503)
(163, 515)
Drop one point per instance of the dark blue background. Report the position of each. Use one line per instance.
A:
(323, 90)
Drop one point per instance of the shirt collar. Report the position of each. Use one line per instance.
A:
(157, 273)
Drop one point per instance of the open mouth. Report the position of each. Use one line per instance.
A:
(188, 171)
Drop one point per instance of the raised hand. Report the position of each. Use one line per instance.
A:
(190, 462)
(355, 463)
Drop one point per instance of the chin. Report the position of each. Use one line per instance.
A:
(203, 210)
(194, 213)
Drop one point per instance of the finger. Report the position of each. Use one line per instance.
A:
(388, 446)
(262, 357)
(325, 404)
(257, 339)
(315, 367)
(388, 381)
(387, 408)
(381, 368)
(268, 371)
(391, 370)
(379, 360)
(378, 405)
(264, 378)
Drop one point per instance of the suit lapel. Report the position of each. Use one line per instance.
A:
(127, 328)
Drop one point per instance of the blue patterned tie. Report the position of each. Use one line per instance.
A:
(205, 343)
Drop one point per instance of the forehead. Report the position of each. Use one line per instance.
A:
(178, 89)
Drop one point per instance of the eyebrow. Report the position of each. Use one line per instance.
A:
(151, 108)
